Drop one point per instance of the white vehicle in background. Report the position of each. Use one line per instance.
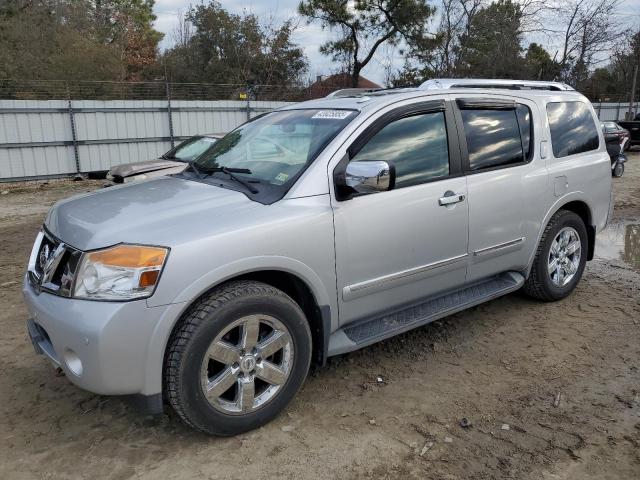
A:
(174, 161)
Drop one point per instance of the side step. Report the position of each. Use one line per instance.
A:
(368, 331)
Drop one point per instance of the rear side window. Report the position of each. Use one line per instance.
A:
(497, 137)
(416, 145)
(572, 128)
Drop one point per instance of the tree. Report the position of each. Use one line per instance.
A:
(363, 26)
(76, 40)
(491, 48)
(615, 79)
(128, 24)
(221, 47)
(538, 64)
(588, 31)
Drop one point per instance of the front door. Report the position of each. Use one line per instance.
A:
(398, 247)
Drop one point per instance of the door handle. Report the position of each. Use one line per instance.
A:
(450, 198)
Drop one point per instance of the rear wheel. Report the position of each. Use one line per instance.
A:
(237, 359)
(560, 258)
(618, 170)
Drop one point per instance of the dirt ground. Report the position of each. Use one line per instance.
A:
(552, 390)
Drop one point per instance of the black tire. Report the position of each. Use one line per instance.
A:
(539, 284)
(200, 326)
(618, 170)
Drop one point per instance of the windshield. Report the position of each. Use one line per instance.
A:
(275, 147)
(191, 149)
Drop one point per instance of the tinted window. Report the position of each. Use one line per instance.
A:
(572, 128)
(416, 145)
(494, 138)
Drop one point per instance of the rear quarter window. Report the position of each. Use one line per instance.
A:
(572, 127)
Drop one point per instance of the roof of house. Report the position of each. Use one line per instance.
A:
(343, 80)
(322, 87)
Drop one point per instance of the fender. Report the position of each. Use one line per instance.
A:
(158, 342)
(557, 205)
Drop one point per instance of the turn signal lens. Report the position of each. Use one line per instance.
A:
(130, 256)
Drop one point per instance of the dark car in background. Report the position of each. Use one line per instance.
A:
(616, 139)
(615, 133)
(633, 126)
(174, 161)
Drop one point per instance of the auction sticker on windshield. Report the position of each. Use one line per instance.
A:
(332, 114)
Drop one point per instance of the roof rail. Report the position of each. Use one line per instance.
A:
(351, 92)
(447, 83)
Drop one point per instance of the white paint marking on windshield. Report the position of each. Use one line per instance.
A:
(332, 114)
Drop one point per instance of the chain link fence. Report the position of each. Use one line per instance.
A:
(156, 90)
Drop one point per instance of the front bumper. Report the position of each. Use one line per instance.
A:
(101, 346)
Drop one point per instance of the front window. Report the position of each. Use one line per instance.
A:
(416, 146)
(271, 151)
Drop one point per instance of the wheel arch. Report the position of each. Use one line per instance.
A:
(307, 292)
(580, 207)
(318, 315)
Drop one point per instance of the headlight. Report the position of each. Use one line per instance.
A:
(123, 272)
(135, 178)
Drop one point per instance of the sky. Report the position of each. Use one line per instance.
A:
(312, 36)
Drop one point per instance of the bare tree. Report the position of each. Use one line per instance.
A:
(183, 31)
(588, 32)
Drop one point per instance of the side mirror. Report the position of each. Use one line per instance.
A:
(361, 178)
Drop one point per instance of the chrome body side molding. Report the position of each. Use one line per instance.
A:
(394, 279)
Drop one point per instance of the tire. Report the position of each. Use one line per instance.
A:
(235, 308)
(543, 285)
(618, 170)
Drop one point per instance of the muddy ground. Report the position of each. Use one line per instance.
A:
(552, 390)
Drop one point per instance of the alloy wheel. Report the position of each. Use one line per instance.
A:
(564, 256)
(247, 364)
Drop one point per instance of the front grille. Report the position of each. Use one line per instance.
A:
(52, 265)
(47, 246)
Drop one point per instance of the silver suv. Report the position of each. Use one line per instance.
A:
(313, 231)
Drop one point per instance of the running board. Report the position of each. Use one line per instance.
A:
(368, 331)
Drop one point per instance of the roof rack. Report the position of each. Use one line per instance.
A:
(352, 92)
(447, 83)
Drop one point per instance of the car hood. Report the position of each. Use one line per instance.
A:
(135, 168)
(166, 211)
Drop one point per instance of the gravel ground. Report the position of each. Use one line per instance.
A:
(551, 390)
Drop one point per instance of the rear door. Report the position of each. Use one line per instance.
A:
(398, 247)
(506, 181)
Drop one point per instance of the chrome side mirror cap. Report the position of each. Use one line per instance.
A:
(364, 177)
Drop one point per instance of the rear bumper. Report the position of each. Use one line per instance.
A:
(102, 347)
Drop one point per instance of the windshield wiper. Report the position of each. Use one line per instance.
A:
(196, 170)
(230, 171)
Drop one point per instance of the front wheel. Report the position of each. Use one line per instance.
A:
(560, 258)
(237, 358)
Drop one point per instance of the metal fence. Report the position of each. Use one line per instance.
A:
(50, 128)
(614, 111)
(59, 128)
